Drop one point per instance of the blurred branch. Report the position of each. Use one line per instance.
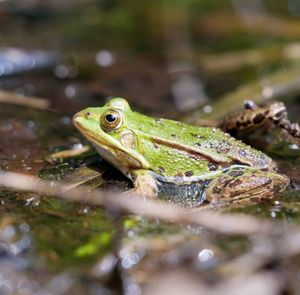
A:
(34, 102)
(234, 60)
(278, 241)
(226, 24)
(231, 224)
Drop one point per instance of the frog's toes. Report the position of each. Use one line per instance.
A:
(145, 185)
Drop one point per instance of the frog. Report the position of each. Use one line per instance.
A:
(254, 116)
(164, 157)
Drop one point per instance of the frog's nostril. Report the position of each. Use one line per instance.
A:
(76, 118)
(87, 115)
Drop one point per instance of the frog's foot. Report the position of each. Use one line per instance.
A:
(292, 128)
(144, 184)
(254, 116)
(245, 187)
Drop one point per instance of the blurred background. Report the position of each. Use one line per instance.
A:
(164, 56)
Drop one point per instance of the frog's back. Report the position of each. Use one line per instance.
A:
(192, 150)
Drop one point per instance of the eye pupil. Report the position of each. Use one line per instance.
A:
(110, 118)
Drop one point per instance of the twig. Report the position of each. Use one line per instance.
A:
(231, 224)
(234, 60)
(8, 97)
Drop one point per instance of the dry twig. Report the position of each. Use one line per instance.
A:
(231, 224)
(8, 97)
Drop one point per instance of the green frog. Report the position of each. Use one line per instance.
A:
(164, 157)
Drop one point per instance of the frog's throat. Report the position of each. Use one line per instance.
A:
(114, 152)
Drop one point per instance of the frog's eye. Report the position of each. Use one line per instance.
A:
(111, 120)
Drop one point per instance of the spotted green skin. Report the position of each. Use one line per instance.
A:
(165, 149)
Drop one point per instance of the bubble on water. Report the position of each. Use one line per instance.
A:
(131, 287)
(126, 262)
(105, 58)
(70, 91)
(32, 201)
(277, 203)
(85, 210)
(61, 71)
(77, 146)
(129, 259)
(205, 255)
(31, 124)
(130, 234)
(14, 240)
(293, 146)
(207, 109)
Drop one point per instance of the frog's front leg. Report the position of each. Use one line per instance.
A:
(144, 183)
(245, 187)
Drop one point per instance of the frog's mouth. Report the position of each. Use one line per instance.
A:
(111, 149)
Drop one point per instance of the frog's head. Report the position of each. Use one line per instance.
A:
(107, 129)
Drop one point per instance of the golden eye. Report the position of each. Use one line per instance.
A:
(111, 120)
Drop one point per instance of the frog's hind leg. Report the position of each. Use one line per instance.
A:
(245, 187)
